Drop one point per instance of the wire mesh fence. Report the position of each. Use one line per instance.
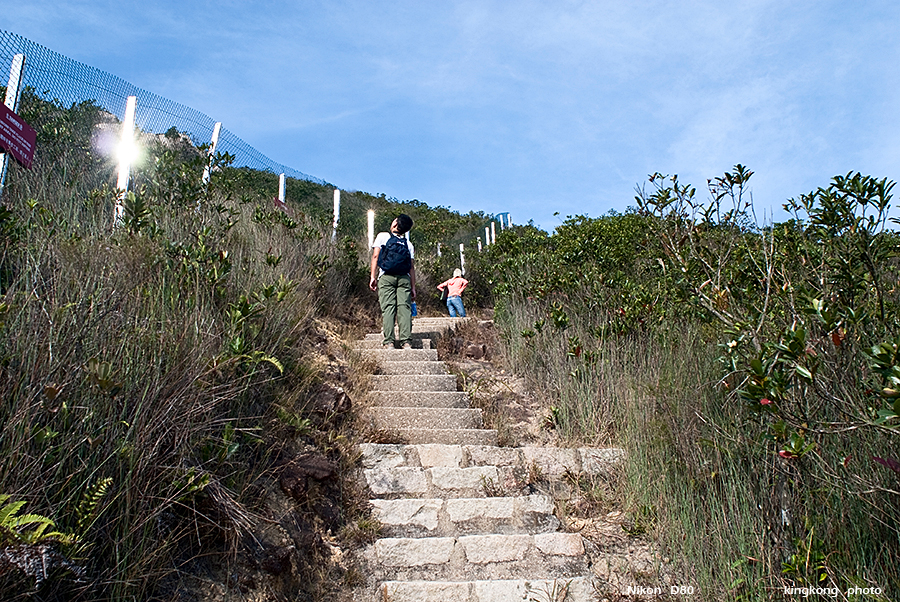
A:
(55, 77)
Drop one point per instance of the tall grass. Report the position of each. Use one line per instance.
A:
(159, 357)
(701, 476)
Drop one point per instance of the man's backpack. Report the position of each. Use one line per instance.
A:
(394, 257)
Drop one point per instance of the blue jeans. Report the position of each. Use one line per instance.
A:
(454, 304)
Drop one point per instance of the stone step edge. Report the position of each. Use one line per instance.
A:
(423, 436)
(574, 589)
(551, 460)
(402, 419)
(476, 549)
(428, 512)
(406, 367)
(416, 481)
(418, 399)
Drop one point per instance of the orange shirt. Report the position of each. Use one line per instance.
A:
(455, 286)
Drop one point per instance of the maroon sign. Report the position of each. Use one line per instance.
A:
(16, 136)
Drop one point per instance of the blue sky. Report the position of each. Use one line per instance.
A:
(529, 107)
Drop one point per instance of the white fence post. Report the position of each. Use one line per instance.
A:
(337, 214)
(487, 236)
(493, 233)
(479, 244)
(371, 220)
(462, 258)
(439, 249)
(126, 156)
(12, 103)
(212, 150)
(281, 186)
(509, 220)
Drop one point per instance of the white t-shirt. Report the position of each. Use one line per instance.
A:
(382, 239)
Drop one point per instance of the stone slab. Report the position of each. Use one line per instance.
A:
(559, 544)
(388, 418)
(418, 382)
(410, 511)
(577, 589)
(400, 480)
(400, 355)
(423, 399)
(414, 551)
(412, 367)
(451, 436)
(381, 455)
(553, 461)
(439, 454)
(484, 549)
(462, 478)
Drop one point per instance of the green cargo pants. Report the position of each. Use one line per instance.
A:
(395, 298)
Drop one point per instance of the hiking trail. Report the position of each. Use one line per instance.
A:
(463, 519)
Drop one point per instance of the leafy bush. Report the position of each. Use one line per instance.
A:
(786, 417)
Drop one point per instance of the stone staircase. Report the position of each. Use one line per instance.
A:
(463, 520)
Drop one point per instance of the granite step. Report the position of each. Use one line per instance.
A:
(375, 343)
(577, 589)
(407, 367)
(465, 520)
(414, 382)
(420, 517)
(400, 355)
(420, 399)
(476, 557)
(419, 331)
(439, 481)
(550, 461)
(401, 419)
(478, 436)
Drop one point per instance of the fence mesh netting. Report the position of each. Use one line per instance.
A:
(55, 77)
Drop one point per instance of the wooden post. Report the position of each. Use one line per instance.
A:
(371, 220)
(462, 258)
(493, 233)
(13, 89)
(487, 236)
(281, 186)
(126, 156)
(479, 244)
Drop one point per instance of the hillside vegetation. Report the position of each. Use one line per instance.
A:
(751, 373)
(159, 380)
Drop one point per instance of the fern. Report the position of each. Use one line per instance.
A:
(26, 528)
(86, 511)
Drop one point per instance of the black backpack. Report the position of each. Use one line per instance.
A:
(394, 257)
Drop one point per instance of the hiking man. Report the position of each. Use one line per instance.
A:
(393, 275)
